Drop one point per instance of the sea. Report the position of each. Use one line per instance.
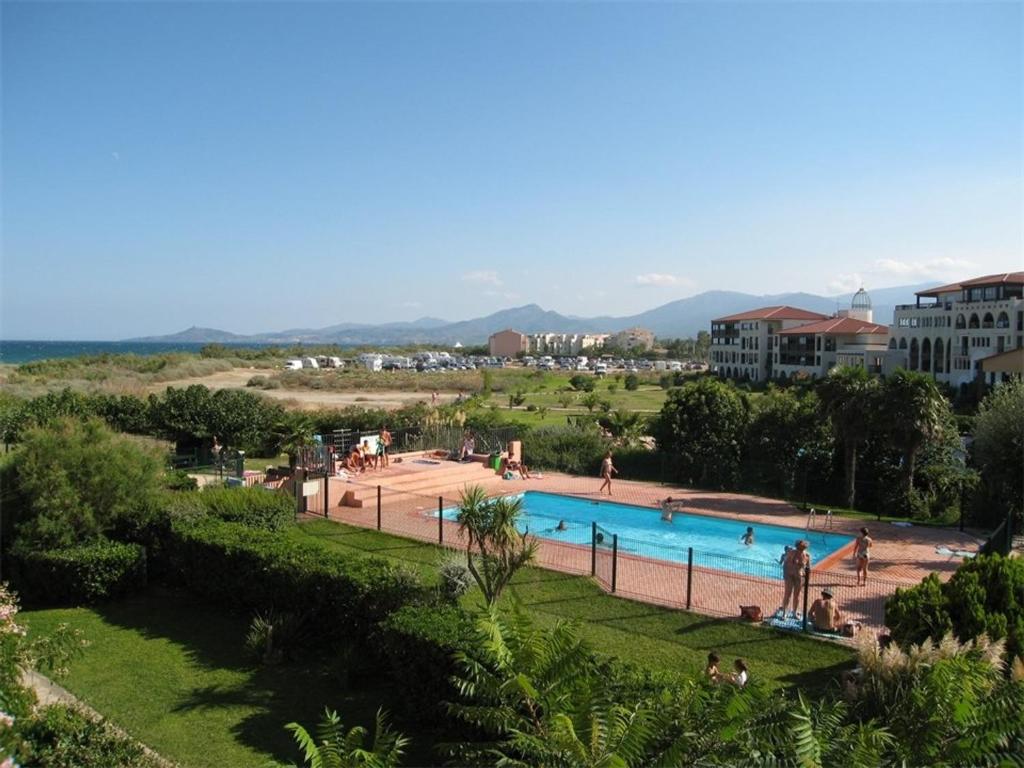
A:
(17, 352)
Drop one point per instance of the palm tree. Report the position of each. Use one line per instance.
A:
(495, 549)
(846, 396)
(913, 411)
(293, 432)
(332, 747)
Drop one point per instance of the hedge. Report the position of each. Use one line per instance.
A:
(418, 643)
(254, 507)
(344, 597)
(86, 574)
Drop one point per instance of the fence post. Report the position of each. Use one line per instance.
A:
(615, 558)
(689, 575)
(378, 507)
(299, 498)
(440, 520)
(327, 494)
(593, 548)
(807, 589)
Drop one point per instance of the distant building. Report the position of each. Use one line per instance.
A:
(508, 343)
(638, 339)
(742, 344)
(565, 344)
(815, 348)
(950, 330)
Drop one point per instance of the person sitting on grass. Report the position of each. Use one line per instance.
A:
(824, 613)
(740, 677)
(711, 670)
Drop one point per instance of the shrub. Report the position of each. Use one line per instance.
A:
(455, 577)
(632, 382)
(419, 643)
(256, 570)
(78, 481)
(985, 596)
(273, 637)
(253, 507)
(86, 574)
(61, 735)
(577, 451)
(582, 383)
(180, 480)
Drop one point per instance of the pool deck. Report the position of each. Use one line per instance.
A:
(901, 556)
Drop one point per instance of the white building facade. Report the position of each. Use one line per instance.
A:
(951, 329)
(742, 344)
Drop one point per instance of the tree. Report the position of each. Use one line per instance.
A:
(786, 437)
(704, 423)
(627, 427)
(566, 399)
(495, 549)
(582, 383)
(998, 447)
(848, 398)
(76, 481)
(293, 432)
(542, 411)
(590, 401)
(333, 747)
(912, 412)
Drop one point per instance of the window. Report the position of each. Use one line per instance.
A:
(961, 322)
(988, 321)
(991, 293)
(974, 322)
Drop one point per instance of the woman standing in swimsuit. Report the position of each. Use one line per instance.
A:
(862, 553)
(607, 470)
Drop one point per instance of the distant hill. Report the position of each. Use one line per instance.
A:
(681, 318)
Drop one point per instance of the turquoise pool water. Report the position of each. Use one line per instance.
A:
(641, 531)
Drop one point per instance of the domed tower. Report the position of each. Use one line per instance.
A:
(860, 306)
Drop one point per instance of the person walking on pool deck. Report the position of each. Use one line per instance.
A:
(792, 573)
(862, 553)
(607, 470)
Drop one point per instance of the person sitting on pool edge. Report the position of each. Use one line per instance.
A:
(824, 613)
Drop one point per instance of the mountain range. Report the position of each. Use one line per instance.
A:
(680, 318)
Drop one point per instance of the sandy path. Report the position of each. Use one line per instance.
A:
(306, 399)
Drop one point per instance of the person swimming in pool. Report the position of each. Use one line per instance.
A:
(561, 526)
(748, 537)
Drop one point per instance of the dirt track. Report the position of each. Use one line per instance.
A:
(307, 399)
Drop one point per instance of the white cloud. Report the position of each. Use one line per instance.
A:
(412, 304)
(846, 283)
(658, 279)
(482, 277)
(933, 268)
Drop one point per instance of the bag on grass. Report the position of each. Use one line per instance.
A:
(751, 612)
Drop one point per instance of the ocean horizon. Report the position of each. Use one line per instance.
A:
(15, 352)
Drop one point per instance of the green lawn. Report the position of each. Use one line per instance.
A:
(655, 637)
(173, 673)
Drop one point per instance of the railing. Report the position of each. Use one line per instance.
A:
(677, 577)
(1000, 540)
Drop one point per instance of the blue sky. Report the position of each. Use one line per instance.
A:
(260, 166)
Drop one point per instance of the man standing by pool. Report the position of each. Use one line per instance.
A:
(384, 446)
(796, 561)
(607, 470)
(862, 553)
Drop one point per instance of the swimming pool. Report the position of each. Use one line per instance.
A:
(641, 531)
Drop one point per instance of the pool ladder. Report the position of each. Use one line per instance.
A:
(812, 516)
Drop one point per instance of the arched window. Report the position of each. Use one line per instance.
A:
(892, 343)
(914, 357)
(960, 321)
(903, 343)
(988, 321)
(1003, 321)
(926, 356)
(939, 359)
(973, 323)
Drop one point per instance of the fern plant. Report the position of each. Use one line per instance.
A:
(334, 747)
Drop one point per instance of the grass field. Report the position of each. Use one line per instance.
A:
(647, 635)
(174, 675)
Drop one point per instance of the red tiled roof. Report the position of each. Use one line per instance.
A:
(835, 326)
(1015, 278)
(773, 313)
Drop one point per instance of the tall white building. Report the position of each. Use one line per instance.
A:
(742, 344)
(951, 329)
